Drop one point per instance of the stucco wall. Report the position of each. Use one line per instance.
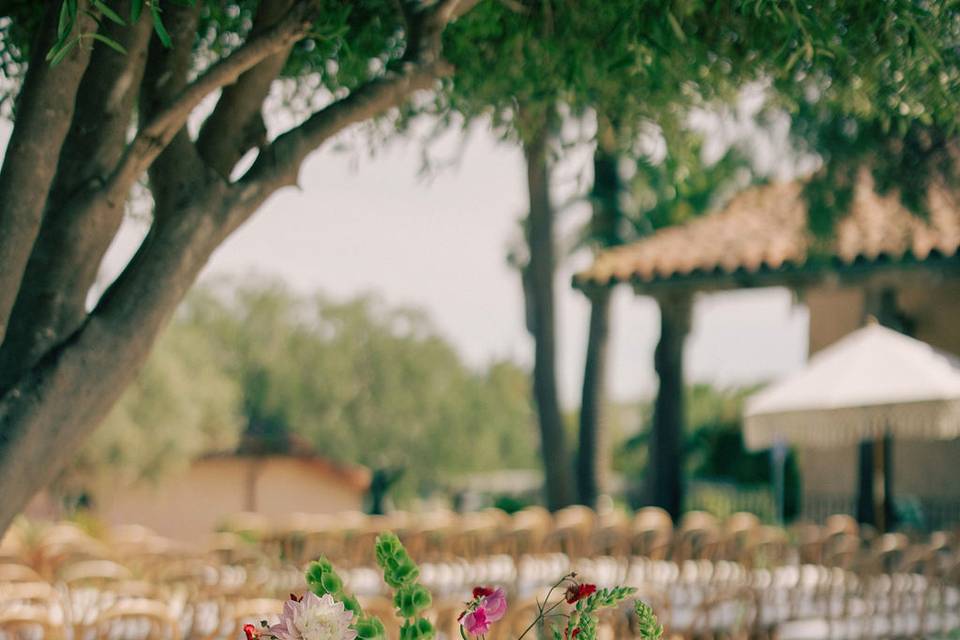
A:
(190, 505)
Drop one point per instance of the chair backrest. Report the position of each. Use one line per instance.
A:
(35, 593)
(611, 535)
(651, 533)
(93, 572)
(10, 572)
(740, 531)
(741, 522)
(117, 619)
(698, 537)
(572, 528)
(841, 523)
(18, 621)
(529, 528)
(769, 547)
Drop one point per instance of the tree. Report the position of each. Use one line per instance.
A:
(69, 169)
(555, 67)
(361, 382)
(606, 231)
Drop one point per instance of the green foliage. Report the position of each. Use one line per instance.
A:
(399, 569)
(648, 627)
(873, 87)
(370, 628)
(865, 86)
(322, 580)
(583, 620)
(363, 383)
(68, 37)
(400, 573)
(682, 186)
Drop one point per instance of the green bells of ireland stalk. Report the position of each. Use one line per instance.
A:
(579, 608)
(400, 573)
(410, 598)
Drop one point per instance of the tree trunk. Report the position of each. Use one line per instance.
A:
(44, 109)
(591, 455)
(665, 465)
(45, 418)
(538, 288)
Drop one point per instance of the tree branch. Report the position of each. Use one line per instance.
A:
(165, 78)
(236, 124)
(73, 239)
(278, 164)
(44, 110)
(157, 133)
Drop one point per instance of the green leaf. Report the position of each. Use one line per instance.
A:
(113, 44)
(331, 582)
(158, 26)
(109, 13)
(59, 53)
(136, 7)
(369, 628)
(66, 20)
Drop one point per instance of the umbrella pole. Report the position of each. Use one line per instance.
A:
(889, 506)
(879, 483)
(883, 483)
(866, 504)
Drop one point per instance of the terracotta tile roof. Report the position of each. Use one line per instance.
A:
(765, 228)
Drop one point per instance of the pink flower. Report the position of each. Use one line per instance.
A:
(476, 622)
(314, 618)
(495, 604)
(488, 606)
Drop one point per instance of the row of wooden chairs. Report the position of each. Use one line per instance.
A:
(694, 597)
(577, 532)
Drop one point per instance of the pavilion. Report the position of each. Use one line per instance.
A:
(882, 261)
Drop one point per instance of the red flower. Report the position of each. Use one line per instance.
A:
(250, 631)
(482, 592)
(579, 592)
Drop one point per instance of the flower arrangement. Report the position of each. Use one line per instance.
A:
(326, 612)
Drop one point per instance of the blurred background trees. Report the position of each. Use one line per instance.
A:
(261, 369)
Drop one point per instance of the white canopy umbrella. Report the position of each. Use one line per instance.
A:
(873, 383)
(871, 386)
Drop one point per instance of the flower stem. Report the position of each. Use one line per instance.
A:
(543, 614)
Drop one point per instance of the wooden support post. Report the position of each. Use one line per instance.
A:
(665, 464)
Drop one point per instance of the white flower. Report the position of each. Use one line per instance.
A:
(314, 618)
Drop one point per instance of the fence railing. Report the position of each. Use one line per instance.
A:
(922, 514)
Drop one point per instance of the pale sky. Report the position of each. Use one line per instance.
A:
(373, 224)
